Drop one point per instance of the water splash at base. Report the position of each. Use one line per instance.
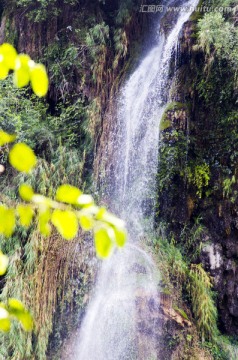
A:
(120, 322)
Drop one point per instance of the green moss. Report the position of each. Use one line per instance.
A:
(173, 106)
(165, 122)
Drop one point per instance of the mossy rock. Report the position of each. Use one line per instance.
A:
(165, 122)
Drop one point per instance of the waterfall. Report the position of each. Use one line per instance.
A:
(119, 323)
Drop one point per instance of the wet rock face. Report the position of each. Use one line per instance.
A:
(162, 328)
(220, 258)
(162, 333)
(199, 123)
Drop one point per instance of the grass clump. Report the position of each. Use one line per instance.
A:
(192, 281)
(202, 299)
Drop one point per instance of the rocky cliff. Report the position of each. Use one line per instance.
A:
(197, 179)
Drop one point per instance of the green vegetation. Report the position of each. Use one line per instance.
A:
(86, 56)
(60, 211)
(199, 177)
(69, 209)
(227, 186)
(39, 11)
(218, 37)
(181, 280)
(203, 304)
(195, 281)
(63, 130)
(23, 158)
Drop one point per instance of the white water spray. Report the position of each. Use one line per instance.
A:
(118, 325)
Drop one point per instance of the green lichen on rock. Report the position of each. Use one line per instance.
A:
(173, 111)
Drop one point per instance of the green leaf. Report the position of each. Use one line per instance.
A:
(26, 214)
(39, 80)
(26, 192)
(22, 70)
(3, 263)
(103, 238)
(66, 223)
(22, 157)
(6, 138)
(68, 194)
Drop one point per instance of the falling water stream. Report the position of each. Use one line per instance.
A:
(118, 324)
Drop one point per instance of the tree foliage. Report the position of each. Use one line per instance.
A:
(66, 212)
(218, 36)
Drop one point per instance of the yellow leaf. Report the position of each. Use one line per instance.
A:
(7, 221)
(5, 323)
(103, 238)
(3, 71)
(22, 157)
(25, 213)
(45, 229)
(6, 138)
(66, 223)
(10, 222)
(3, 263)
(22, 70)
(26, 320)
(100, 213)
(2, 217)
(39, 80)
(68, 194)
(15, 304)
(44, 218)
(9, 55)
(120, 236)
(86, 221)
(26, 192)
(17, 310)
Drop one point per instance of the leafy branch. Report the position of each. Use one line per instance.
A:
(69, 211)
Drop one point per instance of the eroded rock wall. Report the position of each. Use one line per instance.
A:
(197, 179)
